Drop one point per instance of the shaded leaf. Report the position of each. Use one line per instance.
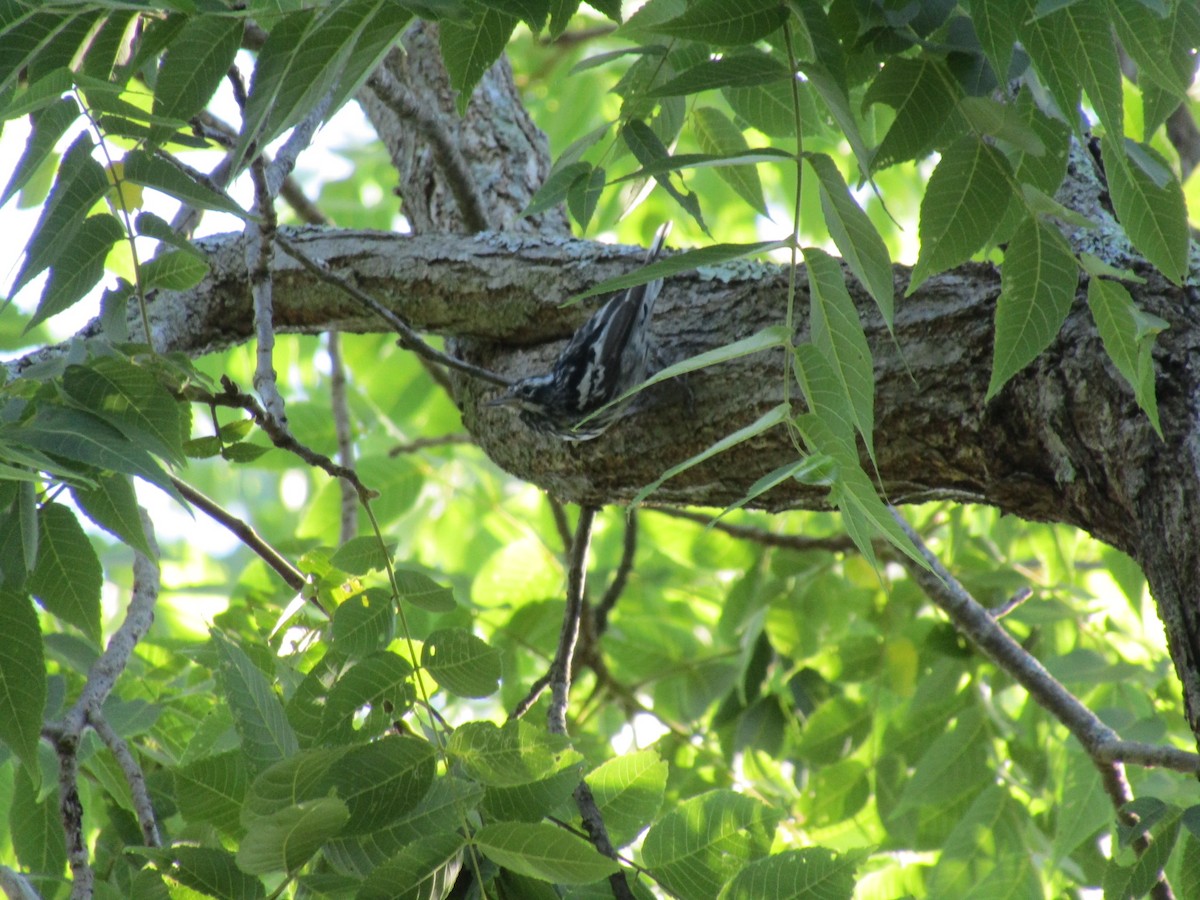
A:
(78, 265)
(543, 851)
(1037, 286)
(257, 711)
(461, 663)
(288, 839)
(22, 682)
(963, 202)
(68, 576)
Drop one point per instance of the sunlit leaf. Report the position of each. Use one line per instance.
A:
(543, 851)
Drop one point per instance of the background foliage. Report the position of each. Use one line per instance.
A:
(767, 715)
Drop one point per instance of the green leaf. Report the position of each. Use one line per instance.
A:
(364, 623)
(360, 555)
(1037, 286)
(305, 775)
(925, 99)
(954, 766)
(1085, 807)
(78, 266)
(767, 107)
(1143, 36)
(164, 174)
(469, 49)
(516, 753)
(1047, 39)
(424, 593)
(22, 680)
(440, 812)
(725, 22)
(49, 125)
(838, 334)
(175, 270)
(584, 195)
(130, 398)
(966, 195)
(288, 839)
(543, 851)
(68, 577)
(855, 236)
(833, 730)
(532, 12)
(1004, 121)
(425, 868)
(148, 224)
(112, 504)
(257, 712)
(743, 70)
(629, 792)
(1150, 204)
(554, 189)
(534, 801)
(705, 840)
(648, 149)
(382, 24)
(35, 824)
(777, 415)
(833, 93)
(195, 63)
(382, 681)
(1128, 335)
(300, 63)
(32, 37)
(814, 872)
(1089, 45)
(996, 25)
(461, 663)
(212, 790)
(74, 434)
(712, 255)
(19, 537)
(383, 780)
(213, 872)
(719, 136)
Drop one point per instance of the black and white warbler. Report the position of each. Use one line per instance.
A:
(605, 358)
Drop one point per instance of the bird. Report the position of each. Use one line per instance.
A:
(607, 356)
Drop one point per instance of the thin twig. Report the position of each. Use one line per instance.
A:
(561, 523)
(429, 443)
(409, 339)
(831, 544)
(454, 166)
(280, 437)
(1012, 603)
(560, 669)
(620, 579)
(534, 694)
(245, 533)
(593, 823)
(345, 441)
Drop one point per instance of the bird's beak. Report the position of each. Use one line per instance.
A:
(504, 399)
